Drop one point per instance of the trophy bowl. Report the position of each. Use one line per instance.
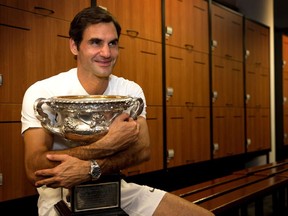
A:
(84, 118)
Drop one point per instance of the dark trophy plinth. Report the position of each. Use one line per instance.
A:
(101, 197)
(82, 120)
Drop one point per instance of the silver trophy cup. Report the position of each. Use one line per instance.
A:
(84, 119)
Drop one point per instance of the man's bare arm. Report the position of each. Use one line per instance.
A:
(39, 143)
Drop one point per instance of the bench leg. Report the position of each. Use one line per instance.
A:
(276, 203)
(259, 207)
(280, 201)
(244, 210)
(286, 198)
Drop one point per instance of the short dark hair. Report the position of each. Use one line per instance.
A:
(88, 16)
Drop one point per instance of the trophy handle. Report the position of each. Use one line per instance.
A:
(43, 117)
(137, 107)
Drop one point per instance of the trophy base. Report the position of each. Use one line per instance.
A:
(101, 197)
(64, 210)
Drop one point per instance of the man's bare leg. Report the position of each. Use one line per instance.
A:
(174, 205)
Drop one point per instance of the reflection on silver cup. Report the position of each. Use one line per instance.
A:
(84, 118)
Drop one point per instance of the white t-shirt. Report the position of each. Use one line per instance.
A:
(67, 83)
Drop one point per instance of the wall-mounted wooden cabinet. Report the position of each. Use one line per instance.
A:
(227, 82)
(258, 129)
(228, 132)
(140, 19)
(190, 29)
(285, 126)
(285, 86)
(14, 181)
(257, 83)
(227, 33)
(30, 52)
(66, 10)
(257, 65)
(187, 76)
(187, 82)
(188, 139)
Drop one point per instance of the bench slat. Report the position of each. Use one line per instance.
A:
(220, 190)
(273, 170)
(254, 169)
(205, 185)
(284, 174)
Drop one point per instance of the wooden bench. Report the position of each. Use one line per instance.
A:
(240, 188)
(267, 169)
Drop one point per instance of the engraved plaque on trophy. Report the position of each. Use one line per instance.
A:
(82, 120)
(101, 197)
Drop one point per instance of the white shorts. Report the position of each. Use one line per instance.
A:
(139, 200)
